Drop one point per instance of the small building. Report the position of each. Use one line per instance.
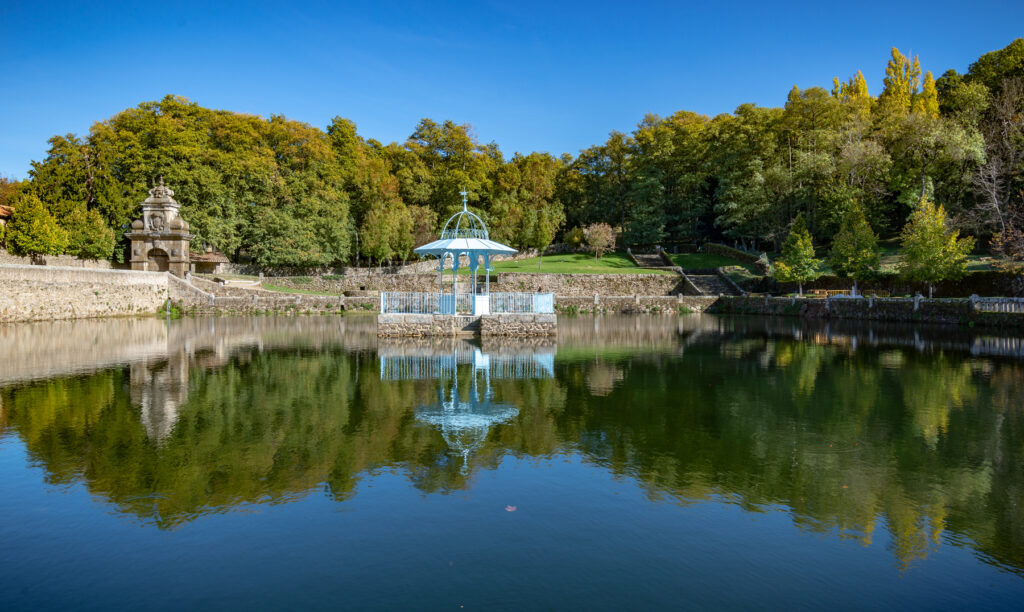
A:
(6, 212)
(161, 237)
(208, 262)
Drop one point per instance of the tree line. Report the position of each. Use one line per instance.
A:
(286, 193)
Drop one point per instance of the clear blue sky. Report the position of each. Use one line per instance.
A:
(545, 76)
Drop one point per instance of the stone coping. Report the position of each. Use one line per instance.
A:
(80, 270)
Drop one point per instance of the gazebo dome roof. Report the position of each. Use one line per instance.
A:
(464, 232)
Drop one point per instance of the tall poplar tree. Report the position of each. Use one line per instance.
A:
(902, 77)
(928, 101)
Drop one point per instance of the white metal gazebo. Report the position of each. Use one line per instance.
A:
(465, 235)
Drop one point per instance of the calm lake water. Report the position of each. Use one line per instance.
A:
(687, 462)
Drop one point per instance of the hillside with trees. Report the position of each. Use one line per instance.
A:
(282, 192)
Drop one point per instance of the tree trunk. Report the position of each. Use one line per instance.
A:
(931, 290)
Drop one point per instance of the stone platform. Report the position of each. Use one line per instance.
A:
(519, 325)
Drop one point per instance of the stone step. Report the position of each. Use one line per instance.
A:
(711, 284)
(649, 261)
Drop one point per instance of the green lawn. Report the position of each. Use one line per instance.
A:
(573, 263)
(696, 261)
(281, 289)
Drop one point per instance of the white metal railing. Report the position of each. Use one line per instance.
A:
(523, 303)
(998, 304)
(404, 302)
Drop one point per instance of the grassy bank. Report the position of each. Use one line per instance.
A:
(572, 263)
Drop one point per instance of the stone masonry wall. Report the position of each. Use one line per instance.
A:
(652, 304)
(69, 261)
(399, 325)
(519, 325)
(559, 284)
(35, 293)
(949, 311)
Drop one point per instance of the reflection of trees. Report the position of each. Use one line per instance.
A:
(833, 434)
(847, 440)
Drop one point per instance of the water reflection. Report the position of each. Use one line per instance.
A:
(850, 430)
(464, 417)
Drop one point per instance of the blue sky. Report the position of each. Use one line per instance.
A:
(545, 76)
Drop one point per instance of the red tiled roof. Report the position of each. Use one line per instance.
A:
(214, 257)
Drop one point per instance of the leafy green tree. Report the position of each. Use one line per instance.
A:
(931, 251)
(855, 250)
(89, 236)
(798, 263)
(33, 230)
(996, 67)
(645, 221)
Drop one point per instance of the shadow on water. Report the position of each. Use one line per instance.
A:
(846, 428)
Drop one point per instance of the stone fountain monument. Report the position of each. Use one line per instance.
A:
(160, 239)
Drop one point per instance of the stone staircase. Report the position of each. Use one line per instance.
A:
(711, 284)
(650, 260)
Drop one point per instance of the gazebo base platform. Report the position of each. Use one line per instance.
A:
(520, 325)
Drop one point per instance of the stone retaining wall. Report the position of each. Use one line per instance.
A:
(559, 284)
(518, 325)
(68, 261)
(37, 293)
(398, 325)
(654, 304)
(948, 311)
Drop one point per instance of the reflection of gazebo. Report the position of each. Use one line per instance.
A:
(465, 234)
(464, 418)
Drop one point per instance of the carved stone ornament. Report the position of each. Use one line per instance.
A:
(156, 222)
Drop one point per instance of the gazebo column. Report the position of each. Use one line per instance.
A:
(487, 272)
(440, 281)
(455, 284)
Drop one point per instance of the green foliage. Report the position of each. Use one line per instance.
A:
(645, 222)
(575, 237)
(798, 263)
(855, 251)
(33, 230)
(995, 67)
(289, 193)
(931, 251)
(90, 238)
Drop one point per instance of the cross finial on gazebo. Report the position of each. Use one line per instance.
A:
(464, 194)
